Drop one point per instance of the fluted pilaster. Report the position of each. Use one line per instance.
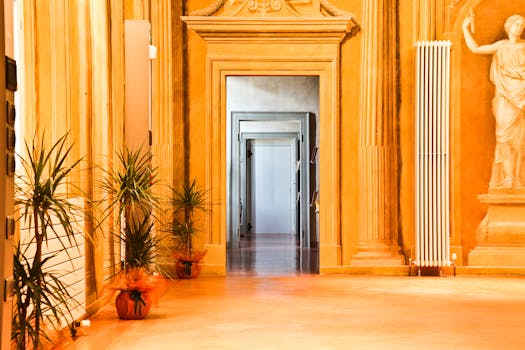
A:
(378, 213)
(167, 100)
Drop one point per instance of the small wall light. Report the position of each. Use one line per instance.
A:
(453, 257)
(152, 52)
(77, 324)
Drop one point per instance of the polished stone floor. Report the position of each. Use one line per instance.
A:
(323, 312)
(268, 301)
(271, 254)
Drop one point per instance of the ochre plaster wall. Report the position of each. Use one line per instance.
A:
(350, 84)
(196, 109)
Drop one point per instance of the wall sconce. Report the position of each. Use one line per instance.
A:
(152, 52)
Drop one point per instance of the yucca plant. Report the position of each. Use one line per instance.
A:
(186, 203)
(129, 188)
(41, 197)
(49, 302)
(129, 185)
(141, 246)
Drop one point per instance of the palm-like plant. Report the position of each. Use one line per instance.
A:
(129, 187)
(44, 206)
(140, 245)
(49, 302)
(186, 202)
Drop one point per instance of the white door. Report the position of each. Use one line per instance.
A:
(273, 187)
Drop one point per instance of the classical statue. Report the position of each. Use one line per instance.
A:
(507, 73)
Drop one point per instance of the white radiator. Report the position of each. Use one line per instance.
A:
(432, 153)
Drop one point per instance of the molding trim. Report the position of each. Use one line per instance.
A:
(259, 27)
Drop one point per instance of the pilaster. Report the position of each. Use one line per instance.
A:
(378, 189)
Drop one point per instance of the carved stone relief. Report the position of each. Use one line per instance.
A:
(264, 8)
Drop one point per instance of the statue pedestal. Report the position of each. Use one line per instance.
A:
(501, 234)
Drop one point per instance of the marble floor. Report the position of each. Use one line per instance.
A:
(271, 254)
(263, 307)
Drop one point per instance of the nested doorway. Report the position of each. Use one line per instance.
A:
(273, 222)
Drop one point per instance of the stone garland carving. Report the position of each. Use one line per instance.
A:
(266, 6)
(210, 10)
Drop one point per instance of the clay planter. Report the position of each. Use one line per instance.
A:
(188, 267)
(133, 305)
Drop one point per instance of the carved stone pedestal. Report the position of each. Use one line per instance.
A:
(501, 234)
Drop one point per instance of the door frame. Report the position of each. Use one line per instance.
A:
(233, 182)
(245, 196)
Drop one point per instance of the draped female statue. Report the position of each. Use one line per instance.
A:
(507, 73)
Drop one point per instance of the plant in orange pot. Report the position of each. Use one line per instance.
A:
(139, 282)
(129, 188)
(188, 203)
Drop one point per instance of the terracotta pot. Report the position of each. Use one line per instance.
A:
(133, 305)
(187, 269)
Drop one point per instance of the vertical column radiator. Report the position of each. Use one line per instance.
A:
(432, 153)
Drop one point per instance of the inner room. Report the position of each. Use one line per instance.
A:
(272, 138)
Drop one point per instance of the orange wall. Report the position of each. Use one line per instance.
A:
(350, 94)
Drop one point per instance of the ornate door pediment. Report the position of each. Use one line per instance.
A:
(276, 8)
(272, 16)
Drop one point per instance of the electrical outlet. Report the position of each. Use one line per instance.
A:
(9, 288)
(9, 227)
(11, 114)
(11, 139)
(10, 165)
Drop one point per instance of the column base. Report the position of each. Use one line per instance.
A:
(377, 254)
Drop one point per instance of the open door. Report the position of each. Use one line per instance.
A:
(253, 136)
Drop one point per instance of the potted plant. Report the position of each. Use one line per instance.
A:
(140, 281)
(129, 187)
(41, 299)
(188, 202)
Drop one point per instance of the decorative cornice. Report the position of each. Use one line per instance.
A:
(336, 27)
(210, 10)
(336, 12)
(262, 9)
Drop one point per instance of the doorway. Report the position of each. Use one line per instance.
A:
(272, 181)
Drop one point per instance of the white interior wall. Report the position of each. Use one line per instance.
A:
(272, 94)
